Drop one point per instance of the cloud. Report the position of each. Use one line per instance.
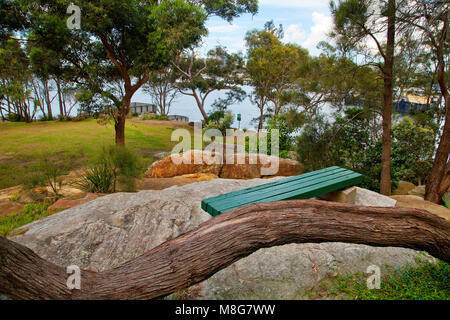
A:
(319, 31)
(226, 28)
(295, 3)
(294, 33)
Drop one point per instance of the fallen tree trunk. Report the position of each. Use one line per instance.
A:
(219, 242)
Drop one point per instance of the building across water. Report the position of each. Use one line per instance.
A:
(411, 103)
(178, 118)
(140, 108)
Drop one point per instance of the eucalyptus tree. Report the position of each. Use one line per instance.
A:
(431, 20)
(272, 70)
(123, 41)
(16, 99)
(219, 71)
(162, 89)
(118, 41)
(356, 22)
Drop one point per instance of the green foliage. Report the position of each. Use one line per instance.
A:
(219, 71)
(47, 173)
(13, 117)
(428, 281)
(115, 166)
(412, 152)
(447, 205)
(30, 213)
(220, 120)
(285, 140)
(313, 143)
(52, 172)
(147, 116)
(99, 179)
(349, 142)
(273, 68)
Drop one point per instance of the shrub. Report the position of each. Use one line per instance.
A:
(114, 166)
(99, 179)
(151, 116)
(13, 117)
(47, 173)
(285, 140)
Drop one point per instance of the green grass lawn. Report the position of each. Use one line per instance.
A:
(30, 213)
(22, 145)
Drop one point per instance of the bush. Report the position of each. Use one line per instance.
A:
(285, 139)
(99, 179)
(150, 116)
(220, 120)
(13, 117)
(115, 166)
(47, 173)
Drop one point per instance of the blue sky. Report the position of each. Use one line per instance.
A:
(305, 22)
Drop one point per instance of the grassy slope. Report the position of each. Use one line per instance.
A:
(427, 281)
(76, 143)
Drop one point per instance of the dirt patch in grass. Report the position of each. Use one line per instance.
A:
(9, 207)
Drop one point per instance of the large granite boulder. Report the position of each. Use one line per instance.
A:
(108, 231)
(418, 191)
(242, 166)
(403, 188)
(360, 196)
(194, 161)
(418, 203)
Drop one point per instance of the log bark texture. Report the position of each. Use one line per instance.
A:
(219, 242)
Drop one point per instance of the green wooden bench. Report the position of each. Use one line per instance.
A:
(304, 186)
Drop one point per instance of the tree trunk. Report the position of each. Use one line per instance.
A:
(221, 241)
(47, 100)
(61, 109)
(439, 181)
(261, 115)
(120, 129)
(201, 106)
(385, 185)
(121, 120)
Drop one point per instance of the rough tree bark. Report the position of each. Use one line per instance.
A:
(219, 242)
(439, 179)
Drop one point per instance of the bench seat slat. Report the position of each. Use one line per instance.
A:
(307, 194)
(272, 185)
(304, 186)
(281, 190)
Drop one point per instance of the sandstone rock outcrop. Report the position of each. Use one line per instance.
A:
(418, 191)
(403, 188)
(360, 196)
(244, 166)
(418, 203)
